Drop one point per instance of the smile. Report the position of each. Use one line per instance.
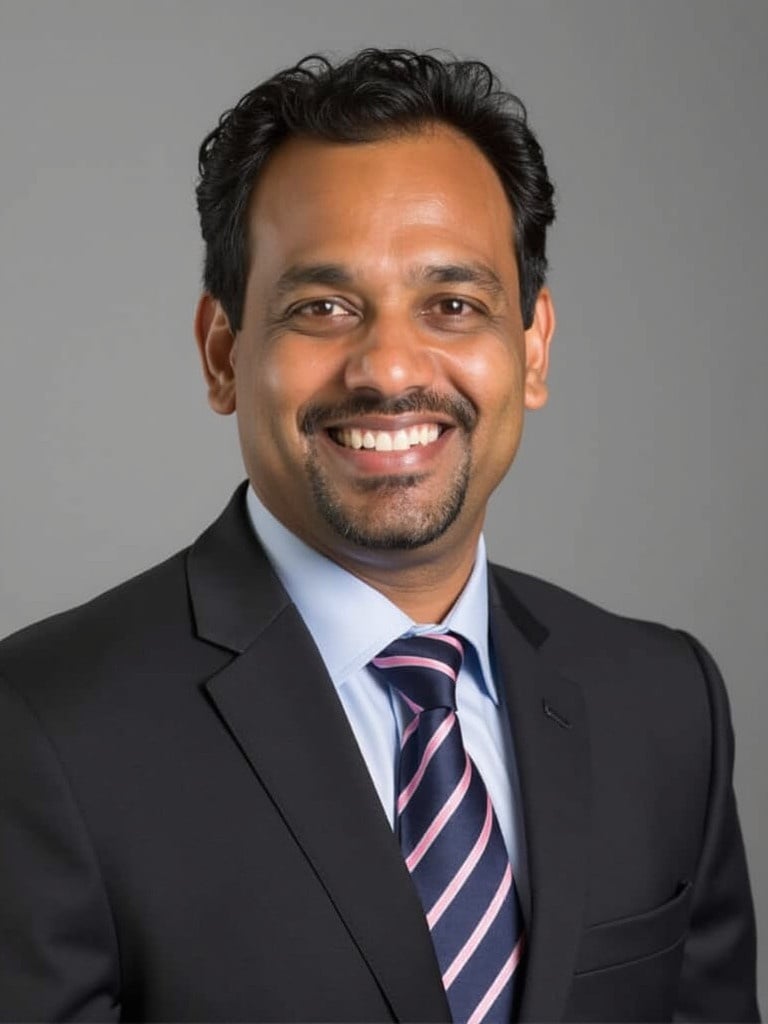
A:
(401, 440)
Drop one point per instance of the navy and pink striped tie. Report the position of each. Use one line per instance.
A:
(449, 835)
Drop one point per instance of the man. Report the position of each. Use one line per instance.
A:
(327, 764)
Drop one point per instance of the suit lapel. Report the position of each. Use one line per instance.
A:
(283, 712)
(549, 728)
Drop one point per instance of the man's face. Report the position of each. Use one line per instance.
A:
(382, 368)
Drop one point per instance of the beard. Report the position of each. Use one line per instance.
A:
(398, 522)
(398, 519)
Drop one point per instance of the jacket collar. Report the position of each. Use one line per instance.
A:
(235, 595)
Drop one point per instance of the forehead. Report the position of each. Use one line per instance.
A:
(416, 197)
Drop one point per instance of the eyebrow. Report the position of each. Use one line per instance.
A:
(479, 274)
(332, 274)
(337, 275)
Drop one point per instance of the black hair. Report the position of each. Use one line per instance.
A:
(369, 96)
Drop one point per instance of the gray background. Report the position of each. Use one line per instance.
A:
(642, 485)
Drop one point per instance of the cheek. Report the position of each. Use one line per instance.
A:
(493, 381)
(262, 404)
(268, 389)
(274, 386)
(491, 377)
(290, 377)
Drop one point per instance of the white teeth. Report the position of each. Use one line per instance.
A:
(388, 440)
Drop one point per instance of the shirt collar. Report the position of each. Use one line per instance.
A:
(349, 620)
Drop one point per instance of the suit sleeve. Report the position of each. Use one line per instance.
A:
(58, 955)
(718, 975)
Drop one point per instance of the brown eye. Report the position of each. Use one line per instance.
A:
(322, 308)
(322, 316)
(454, 307)
(454, 314)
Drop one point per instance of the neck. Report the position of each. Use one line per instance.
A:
(424, 583)
(425, 587)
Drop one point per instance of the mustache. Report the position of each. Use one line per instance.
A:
(316, 416)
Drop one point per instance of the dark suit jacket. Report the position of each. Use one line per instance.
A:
(189, 832)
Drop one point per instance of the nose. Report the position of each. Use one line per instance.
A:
(390, 359)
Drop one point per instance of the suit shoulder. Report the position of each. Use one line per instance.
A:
(585, 632)
(125, 623)
(129, 595)
(551, 601)
(640, 679)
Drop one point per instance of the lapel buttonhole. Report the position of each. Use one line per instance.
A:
(550, 712)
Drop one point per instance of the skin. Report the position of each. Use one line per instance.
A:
(382, 293)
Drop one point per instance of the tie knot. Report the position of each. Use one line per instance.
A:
(423, 669)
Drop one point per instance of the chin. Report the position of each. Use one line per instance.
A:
(401, 527)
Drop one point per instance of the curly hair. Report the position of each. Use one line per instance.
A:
(369, 96)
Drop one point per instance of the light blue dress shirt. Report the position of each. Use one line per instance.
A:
(351, 622)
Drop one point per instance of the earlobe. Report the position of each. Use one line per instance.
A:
(537, 342)
(216, 343)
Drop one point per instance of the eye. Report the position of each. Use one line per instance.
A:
(453, 310)
(454, 307)
(321, 309)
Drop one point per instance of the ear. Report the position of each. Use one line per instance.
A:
(537, 339)
(216, 345)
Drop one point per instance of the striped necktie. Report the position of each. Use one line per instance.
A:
(449, 835)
